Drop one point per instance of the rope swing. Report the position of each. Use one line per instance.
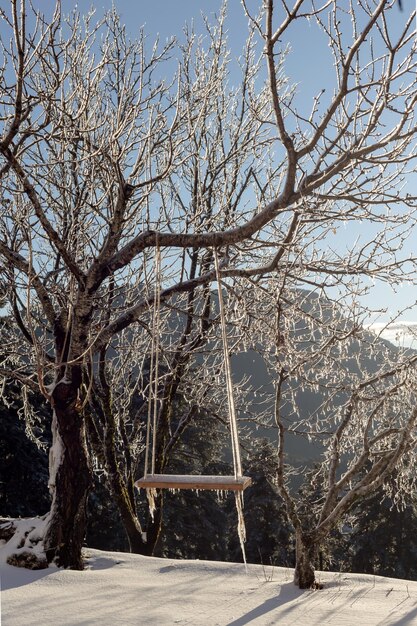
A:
(151, 481)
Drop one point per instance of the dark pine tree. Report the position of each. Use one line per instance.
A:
(23, 464)
(383, 538)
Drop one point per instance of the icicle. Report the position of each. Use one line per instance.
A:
(151, 495)
(221, 494)
(241, 528)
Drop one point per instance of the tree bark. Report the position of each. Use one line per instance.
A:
(305, 555)
(69, 482)
(137, 544)
(130, 523)
(154, 527)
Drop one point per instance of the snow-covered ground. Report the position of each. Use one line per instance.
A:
(126, 589)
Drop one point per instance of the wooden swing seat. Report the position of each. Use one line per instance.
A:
(190, 481)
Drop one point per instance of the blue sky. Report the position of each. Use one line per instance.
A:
(163, 17)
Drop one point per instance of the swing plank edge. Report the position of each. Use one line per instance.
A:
(173, 481)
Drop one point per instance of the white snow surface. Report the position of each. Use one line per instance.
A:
(125, 589)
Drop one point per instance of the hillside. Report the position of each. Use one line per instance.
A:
(363, 354)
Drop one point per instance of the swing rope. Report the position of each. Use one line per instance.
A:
(156, 334)
(154, 378)
(237, 464)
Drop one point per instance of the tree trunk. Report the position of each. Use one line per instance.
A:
(305, 554)
(131, 525)
(69, 480)
(128, 515)
(154, 527)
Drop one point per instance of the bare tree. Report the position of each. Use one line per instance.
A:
(74, 258)
(314, 340)
(348, 396)
(71, 127)
(103, 160)
(224, 138)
